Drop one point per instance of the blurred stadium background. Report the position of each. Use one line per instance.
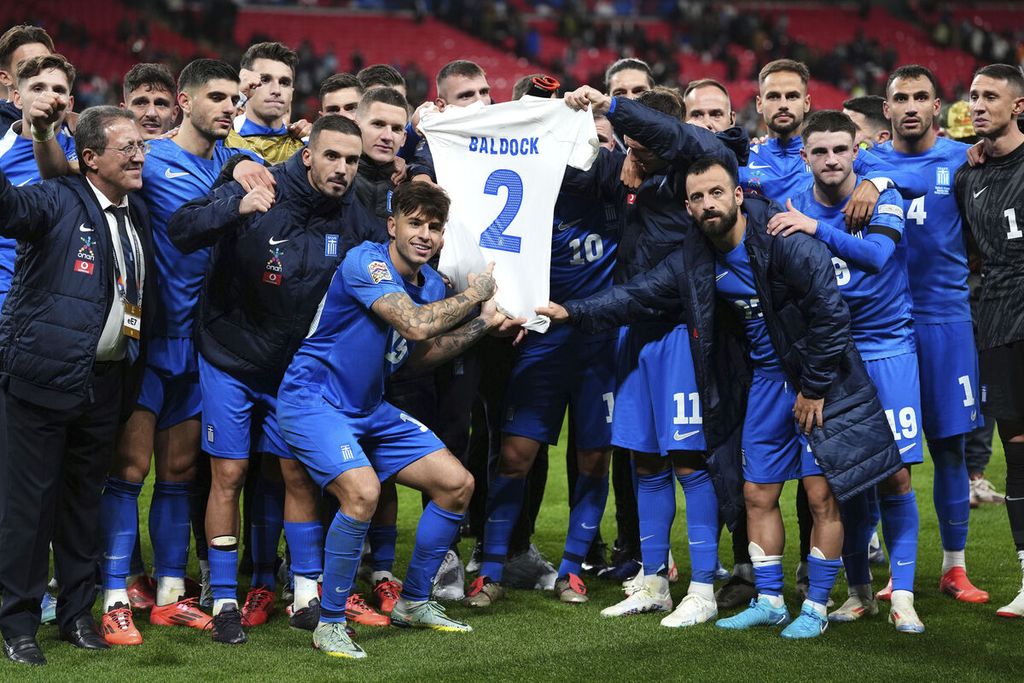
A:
(849, 46)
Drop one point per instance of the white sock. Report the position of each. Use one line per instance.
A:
(381, 576)
(775, 601)
(656, 583)
(112, 596)
(305, 590)
(1020, 556)
(818, 607)
(204, 566)
(744, 570)
(902, 596)
(169, 589)
(952, 558)
(219, 605)
(704, 590)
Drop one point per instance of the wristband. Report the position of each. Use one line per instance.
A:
(47, 135)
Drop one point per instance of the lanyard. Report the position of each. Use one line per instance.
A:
(136, 247)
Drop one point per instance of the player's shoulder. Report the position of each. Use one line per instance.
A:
(221, 153)
(368, 261)
(433, 284)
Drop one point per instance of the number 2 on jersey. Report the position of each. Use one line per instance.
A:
(494, 237)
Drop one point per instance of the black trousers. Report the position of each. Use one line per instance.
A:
(55, 462)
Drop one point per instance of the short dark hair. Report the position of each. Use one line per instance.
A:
(380, 75)
(665, 100)
(706, 83)
(828, 121)
(33, 66)
(1004, 72)
(156, 76)
(336, 123)
(339, 82)
(705, 164)
(460, 67)
(780, 65)
(523, 85)
(624, 65)
(275, 52)
(913, 71)
(91, 130)
(385, 96)
(420, 197)
(871, 107)
(16, 36)
(199, 72)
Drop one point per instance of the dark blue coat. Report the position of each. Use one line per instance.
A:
(809, 326)
(55, 312)
(268, 272)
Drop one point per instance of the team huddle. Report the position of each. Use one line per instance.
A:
(253, 307)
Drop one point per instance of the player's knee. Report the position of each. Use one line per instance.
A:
(759, 497)
(228, 476)
(896, 485)
(517, 456)
(358, 492)
(649, 463)
(822, 503)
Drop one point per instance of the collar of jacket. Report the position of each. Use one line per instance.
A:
(375, 171)
(789, 149)
(295, 177)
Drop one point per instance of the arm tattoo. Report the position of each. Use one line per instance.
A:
(418, 323)
(446, 346)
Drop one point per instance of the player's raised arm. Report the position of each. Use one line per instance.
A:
(444, 347)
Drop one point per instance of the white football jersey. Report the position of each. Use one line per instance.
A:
(502, 166)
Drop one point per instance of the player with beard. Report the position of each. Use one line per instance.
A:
(991, 199)
(937, 271)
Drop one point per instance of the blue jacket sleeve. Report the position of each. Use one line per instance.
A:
(412, 141)
(422, 162)
(869, 254)
(647, 296)
(602, 180)
(669, 138)
(203, 221)
(910, 185)
(807, 268)
(27, 213)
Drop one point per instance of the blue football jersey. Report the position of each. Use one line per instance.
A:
(776, 171)
(734, 281)
(19, 165)
(171, 177)
(584, 238)
(880, 305)
(350, 351)
(936, 250)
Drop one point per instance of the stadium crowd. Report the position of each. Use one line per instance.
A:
(255, 308)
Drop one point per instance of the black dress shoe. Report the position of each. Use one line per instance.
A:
(24, 650)
(85, 634)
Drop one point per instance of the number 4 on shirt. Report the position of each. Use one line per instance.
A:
(494, 237)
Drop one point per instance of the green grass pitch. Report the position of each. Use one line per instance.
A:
(532, 637)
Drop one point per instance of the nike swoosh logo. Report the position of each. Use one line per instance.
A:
(697, 542)
(978, 193)
(588, 526)
(907, 448)
(274, 242)
(721, 275)
(339, 589)
(496, 521)
(24, 183)
(646, 538)
(755, 167)
(679, 437)
(84, 229)
(904, 564)
(565, 226)
(1013, 500)
(175, 174)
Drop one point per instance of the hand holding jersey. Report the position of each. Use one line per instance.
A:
(520, 149)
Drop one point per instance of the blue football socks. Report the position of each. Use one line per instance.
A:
(584, 519)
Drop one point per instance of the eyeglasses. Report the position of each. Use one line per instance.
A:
(128, 151)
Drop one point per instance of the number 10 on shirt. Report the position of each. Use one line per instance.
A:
(493, 236)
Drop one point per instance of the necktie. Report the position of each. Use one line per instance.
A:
(131, 284)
